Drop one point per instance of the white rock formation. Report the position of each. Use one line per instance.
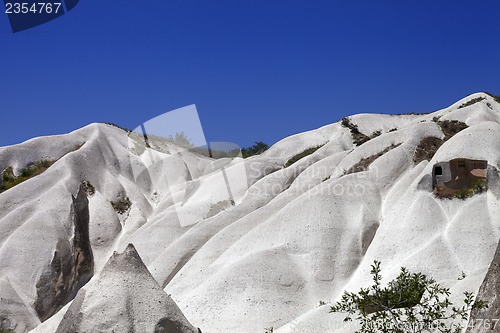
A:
(246, 244)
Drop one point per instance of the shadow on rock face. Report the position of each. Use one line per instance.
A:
(124, 297)
(489, 292)
(72, 265)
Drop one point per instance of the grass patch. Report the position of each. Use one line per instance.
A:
(358, 138)
(9, 180)
(258, 148)
(472, 102)
(364, 163)
(426, 149)
(301, 155)
(451, 127)
(476, 186)
(121, 205)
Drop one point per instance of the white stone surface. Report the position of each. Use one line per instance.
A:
(293, 236)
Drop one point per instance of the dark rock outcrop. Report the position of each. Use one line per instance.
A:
(486, 320)
(124, 297)
(72, 265)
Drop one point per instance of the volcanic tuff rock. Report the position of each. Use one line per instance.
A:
(124, 298)
(72, 265)
(487, 320)
(245, 244)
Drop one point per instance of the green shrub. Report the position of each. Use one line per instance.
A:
(9, 180)
(88, 187)
(346, 122)
(451, 127)
(426, 149)
(121, 205)
(301, 155)
(358, 138)
(8, 175)
(6, 330)
(258, 148)
(180, 139)
(409, 303)
(364, 163)
(476, 186)
(471, 102)
(428, 146)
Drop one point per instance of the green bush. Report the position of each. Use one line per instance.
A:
(476, 186)
(258, 148)
(181, 140)
(301, 155)
(428, 146)
(364, 163)
(426, 149)
(410, 303)
(6, 330)
(451, 127)
(9, 180)
(121, 205)
(471, 102)
(358, 138)
(88, 187)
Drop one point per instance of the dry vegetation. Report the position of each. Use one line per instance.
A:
(301, 155)
(121, 205)
(471, 102)
(430, 145)
(88, 187)
(476, 186)
(426, 149)
(364, 163)
(10, 180)
(358, 138)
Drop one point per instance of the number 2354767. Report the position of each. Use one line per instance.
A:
(33, 8)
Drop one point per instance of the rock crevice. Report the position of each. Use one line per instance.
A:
(72, 264)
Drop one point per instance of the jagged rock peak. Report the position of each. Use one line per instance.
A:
(134, 302)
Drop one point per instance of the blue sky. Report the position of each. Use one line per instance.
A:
(256, 70)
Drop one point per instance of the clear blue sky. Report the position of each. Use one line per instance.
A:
(256, 70)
